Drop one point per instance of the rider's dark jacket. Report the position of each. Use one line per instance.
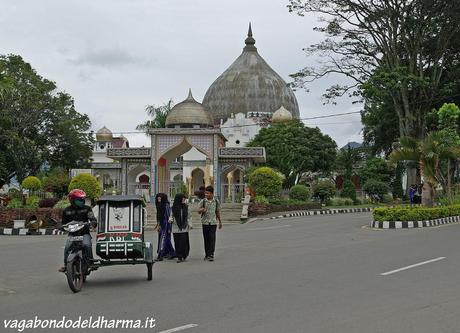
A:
(83, 214)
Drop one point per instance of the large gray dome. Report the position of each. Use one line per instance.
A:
(249, 85)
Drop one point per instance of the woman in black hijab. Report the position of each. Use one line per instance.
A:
(181, 224)
(165, 248)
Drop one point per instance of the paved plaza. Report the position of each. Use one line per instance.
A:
(319, 274)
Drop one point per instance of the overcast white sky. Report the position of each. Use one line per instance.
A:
(117, 56)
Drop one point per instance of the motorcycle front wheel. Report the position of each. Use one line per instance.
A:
(75, 275)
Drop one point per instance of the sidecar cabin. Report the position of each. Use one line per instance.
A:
(120, 227)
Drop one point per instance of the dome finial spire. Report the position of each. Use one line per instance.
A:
(250, 41)
(190, 96)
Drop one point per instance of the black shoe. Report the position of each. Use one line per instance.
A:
(63, 269)
(206, 258)
(159, 259)
(211, 258)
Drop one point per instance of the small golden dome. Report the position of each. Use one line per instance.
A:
(104, 134)
(281, 115)
(188, 113)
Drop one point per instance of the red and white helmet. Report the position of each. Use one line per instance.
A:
(77, 194)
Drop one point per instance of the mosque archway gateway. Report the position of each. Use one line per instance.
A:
(169, 143)
(173, 142)
(248, 87)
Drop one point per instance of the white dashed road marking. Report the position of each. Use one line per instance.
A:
(412, 266)
(269, 228)
(180, 328)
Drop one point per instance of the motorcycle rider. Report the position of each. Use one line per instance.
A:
(78, 211)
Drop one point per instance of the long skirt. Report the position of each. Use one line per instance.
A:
(182, 243)
(165, 247)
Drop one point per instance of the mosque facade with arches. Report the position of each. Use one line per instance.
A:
(202, 143)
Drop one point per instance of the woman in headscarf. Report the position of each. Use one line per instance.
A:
(165, 248)
(181, 224)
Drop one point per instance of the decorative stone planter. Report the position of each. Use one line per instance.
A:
(18, 224)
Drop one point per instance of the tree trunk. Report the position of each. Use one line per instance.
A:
(449, 182)
(412, 178)
(427, 195)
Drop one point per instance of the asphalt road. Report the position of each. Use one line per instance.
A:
(311, 274)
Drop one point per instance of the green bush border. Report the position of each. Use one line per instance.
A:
(414, 213)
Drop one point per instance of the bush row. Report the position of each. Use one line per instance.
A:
(35, 202)
(415, 213)
(256, 209)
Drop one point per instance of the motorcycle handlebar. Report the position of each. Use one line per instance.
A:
(74, 222)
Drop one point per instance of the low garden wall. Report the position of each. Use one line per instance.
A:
(257, 209)
(8, 215)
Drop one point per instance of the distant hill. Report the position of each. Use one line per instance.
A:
(352, 145)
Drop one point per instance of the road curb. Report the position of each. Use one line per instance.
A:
(314, 212)
(29, 232)
(413, 224)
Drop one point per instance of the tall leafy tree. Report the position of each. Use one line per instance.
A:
(399, 56)
(38, 124)
(402, 46)
(158, 115)
(294, 149)
(380, 127)
(347, 162)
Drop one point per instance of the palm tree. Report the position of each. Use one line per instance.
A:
(158, 114)
(428, 153)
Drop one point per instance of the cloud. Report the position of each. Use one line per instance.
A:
(109, 58)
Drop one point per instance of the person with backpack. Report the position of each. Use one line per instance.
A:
(210, 218)
(181, 224)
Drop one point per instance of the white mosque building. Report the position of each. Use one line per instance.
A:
(203, 143)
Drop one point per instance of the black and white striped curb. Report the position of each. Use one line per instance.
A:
(413, 224)
(319, 212)
(29, 232)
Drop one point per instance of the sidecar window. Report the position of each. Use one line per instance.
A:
(101, 222)
(137, 217)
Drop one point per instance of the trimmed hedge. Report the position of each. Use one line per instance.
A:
(299, 192)
(257, 209)
(87, 183)
(415, 213)
(266, 181)
(337, 201)
(31, 183)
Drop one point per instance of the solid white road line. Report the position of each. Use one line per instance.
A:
(269, 228)
(412, 266)
(180, 328)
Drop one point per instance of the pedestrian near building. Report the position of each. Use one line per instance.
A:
(181, 224)
(412, 190)
(209, 208)
(165, 248)
(200, 193)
